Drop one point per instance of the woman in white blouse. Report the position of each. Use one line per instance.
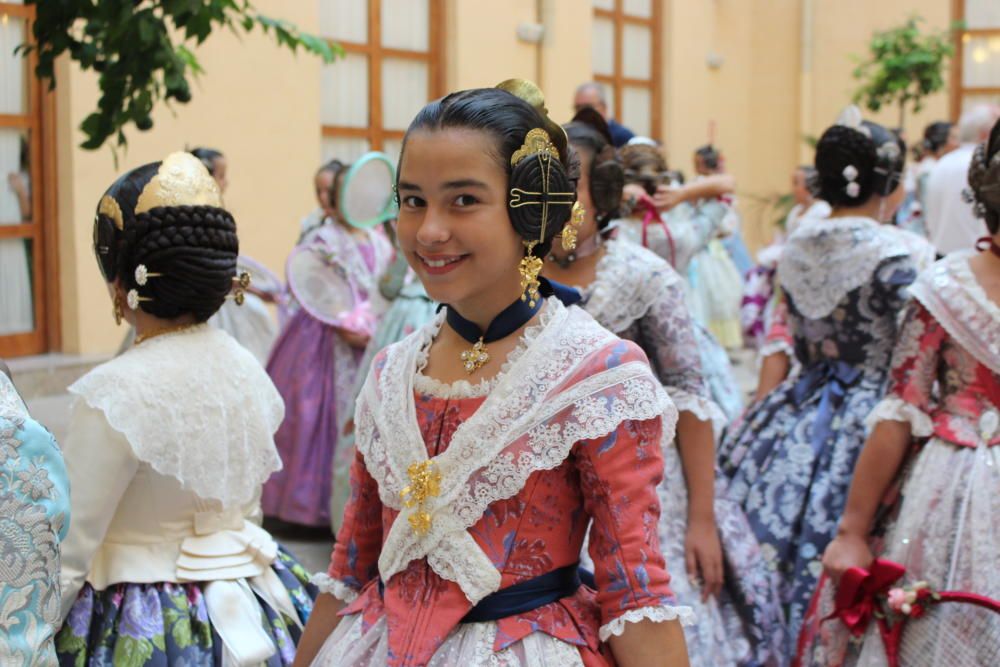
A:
(168, 448)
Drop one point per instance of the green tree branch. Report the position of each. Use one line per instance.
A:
(140, 50)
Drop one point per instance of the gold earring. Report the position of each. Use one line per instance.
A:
(572, 228)
(529, 268)
(117, 311)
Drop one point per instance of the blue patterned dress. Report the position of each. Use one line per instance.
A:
(34, 517)
(790, 462)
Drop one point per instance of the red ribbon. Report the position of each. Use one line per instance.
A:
(855, 602)
(649, 216)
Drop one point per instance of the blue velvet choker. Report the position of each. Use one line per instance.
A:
(510, 319)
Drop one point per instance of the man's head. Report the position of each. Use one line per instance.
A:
(591, 94)
(975, 124)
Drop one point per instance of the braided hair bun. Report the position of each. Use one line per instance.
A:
(589, 132)
(857, 162)
(644, 164)
(167, 218)
(984, 181)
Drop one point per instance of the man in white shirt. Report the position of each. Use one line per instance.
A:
(951, 223)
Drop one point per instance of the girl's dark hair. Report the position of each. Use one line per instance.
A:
(645, 165)
(338, 169)
(207, 157)
(508, 119)
(876, 155)
(607, 176)
(709, 156)
(811, 177)
(936, 135)
(984, 181)
(193, 248)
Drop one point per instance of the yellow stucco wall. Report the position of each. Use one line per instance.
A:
(261, 106)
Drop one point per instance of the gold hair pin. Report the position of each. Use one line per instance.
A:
(242, 285)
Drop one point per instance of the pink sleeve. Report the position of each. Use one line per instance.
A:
(355, 555)
(779, 333)
(915, 359)
(619, 475)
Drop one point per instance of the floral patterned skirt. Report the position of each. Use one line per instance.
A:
(167, 624)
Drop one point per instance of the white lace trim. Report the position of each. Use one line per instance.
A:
(848, 250)
(893, 408)
(704, 409)
(776, 346)
(529, 422)
(338, 589)
(630, 279)
(463, 388)
(951, 293)
(194, 405)
(657, 614)
(11, 405)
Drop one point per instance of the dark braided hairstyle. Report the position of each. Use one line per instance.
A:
(644, 165)
(588, 133)
(984, 181)
(936, 136)
(208, 156)
(184, 237)
(709, 155)
(508, 119)
(876, 155)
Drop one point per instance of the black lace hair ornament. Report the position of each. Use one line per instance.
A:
(588, 131)
(160, 230)
(984, 181)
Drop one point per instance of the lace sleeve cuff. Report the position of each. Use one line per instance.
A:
(776, 345)
(338, 589)
(893, 408)
(704, 409)
(656, 614)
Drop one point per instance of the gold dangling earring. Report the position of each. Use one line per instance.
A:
(117, 311)
(529, 268)
(569, 232)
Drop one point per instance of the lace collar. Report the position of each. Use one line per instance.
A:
(629, 281)
(572, 380)
(194, 405)
(951, 293)
(11, 405)
(464, 388)
(825, 260)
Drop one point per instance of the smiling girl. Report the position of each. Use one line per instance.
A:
(489, 440)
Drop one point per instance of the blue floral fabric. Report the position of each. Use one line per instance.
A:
(167, 624)
(34, 518)
(790, 462)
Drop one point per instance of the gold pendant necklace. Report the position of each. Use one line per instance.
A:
(475, 358)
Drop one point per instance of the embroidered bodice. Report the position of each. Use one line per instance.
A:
(945, 377)
(691, 229)
(640, 297)
(845, 283)
(569, 433)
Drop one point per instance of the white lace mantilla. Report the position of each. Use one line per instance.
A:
(630, 279)
(194, 405)
(848, 250)
(11, 405)
(616, 627)
(951, 293)
(540, 407)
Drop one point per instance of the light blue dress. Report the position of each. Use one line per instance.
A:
(34, 518)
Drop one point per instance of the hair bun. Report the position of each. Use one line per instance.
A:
(841, 151)
(984, 181)
(530, 176)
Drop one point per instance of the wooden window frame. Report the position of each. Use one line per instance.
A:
(376, 133)
(958, 90)
(618, 81)
(42, 229)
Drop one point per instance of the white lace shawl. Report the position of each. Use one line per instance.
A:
(194, 405)
(950, 292)
(629, 281)
(11, 405)
(530, 421)
(848, 250)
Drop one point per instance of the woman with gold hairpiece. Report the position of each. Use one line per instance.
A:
(640, 297)
(489, 440)
(936, 438)
(169, 445)
(677, 223)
